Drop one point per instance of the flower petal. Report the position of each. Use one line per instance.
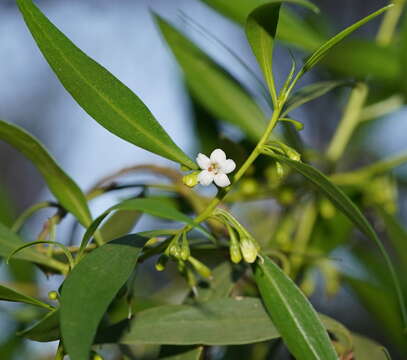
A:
(205, 177)
(218, 156)
(227, 166)
(203, 161)
(222, 180)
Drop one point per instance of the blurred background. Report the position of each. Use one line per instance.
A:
(122, 36)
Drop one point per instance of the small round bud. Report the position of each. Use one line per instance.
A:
(327, 209)
(249, 250)
(53, 295)
(279, 170)
(191, 180)
(286, 196)
(161, 262)
(249, 186)
(97, 357)
(235, 254)
(293, 155)
(174, 251)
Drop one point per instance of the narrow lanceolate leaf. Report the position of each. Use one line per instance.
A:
(298, 323)
(344, 204)
(7, 294)
(60, 184)
(261, 28)
(288, 28)
(97, 91)
(154, 207)
(9, 242)
(319, 54)
(44, 330)
(224, 321)
(119, 224)
(90, 288)
(311, 92)
(212, 86)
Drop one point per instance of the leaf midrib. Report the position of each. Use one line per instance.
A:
(103, 96)
(288, 308)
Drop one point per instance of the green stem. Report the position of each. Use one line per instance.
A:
(60, 354)
(349, 122)
(382, 108)
(249, 161)
(303, 235)
(369, 171)
(389, 24)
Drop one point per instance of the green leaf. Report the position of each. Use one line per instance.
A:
(44, 330)
(119, 224)
(292, 314)
(98, 92)
(397, 234)
(319, 54)
(217, 322)
(154, 207)
(222, 282)
(288, 28)
(261, 28)
(89, 289)
(366, 349)
(60, 184)
(212, 86)
(7, 210)
(180, 353)
(344, 204)
(361, 58)
(311, 92)
(7, 294)
(9, 242)
(382, 306)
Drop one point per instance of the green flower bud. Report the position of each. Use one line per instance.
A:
(249, 250)
(53, 295)
(201, 269)
(293, 155)
(191, 179)
(249, 186)
(327, 209)
(161, 262)
(234, 249)
(174, 250)
(235, 254)
(97, 357)
(279, 170)
(290, 152)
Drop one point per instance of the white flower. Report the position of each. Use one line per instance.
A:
(215, 168)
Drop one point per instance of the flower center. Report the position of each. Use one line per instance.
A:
(214, 167)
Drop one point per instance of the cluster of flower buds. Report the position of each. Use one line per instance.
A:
(178, 250)
(242, 245)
